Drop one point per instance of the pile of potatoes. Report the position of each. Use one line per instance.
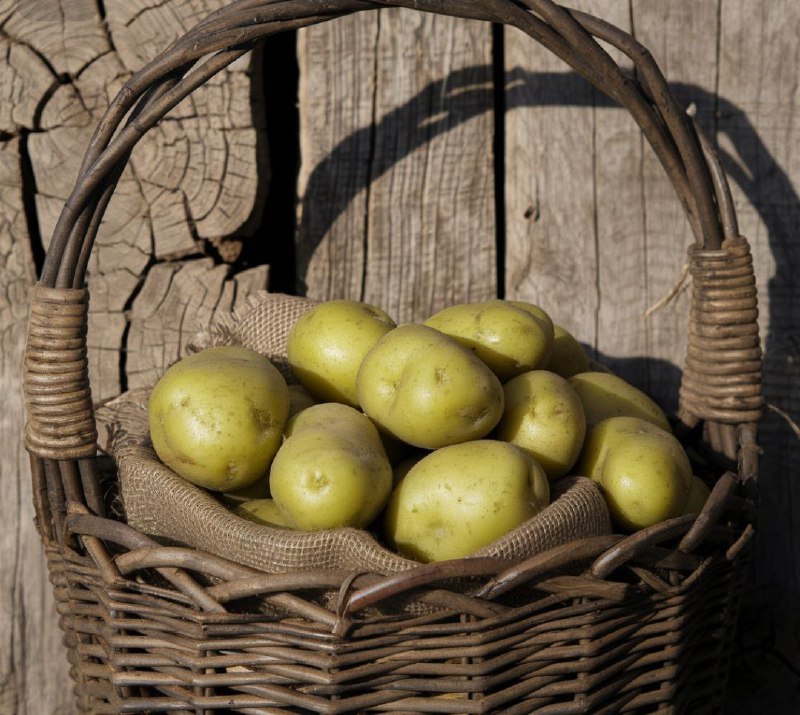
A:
(441, 436)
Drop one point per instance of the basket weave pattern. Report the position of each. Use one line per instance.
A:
(600, 624)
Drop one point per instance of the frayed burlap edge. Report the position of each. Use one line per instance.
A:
(160, 503)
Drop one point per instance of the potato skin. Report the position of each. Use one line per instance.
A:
(698, 495)
(299, 399)
(427, 390)
(609, 433)
(263, 511)
(462, 497)
(605, 395)
(568, 357)
(216, 417)
(642, 470)
(326, 345)
(507, 337)
(332, 470)
(642, 483)
(544, 416)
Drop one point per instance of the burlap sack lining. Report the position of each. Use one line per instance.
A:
(160, 503)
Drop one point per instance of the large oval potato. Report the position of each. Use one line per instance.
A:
(332, 470)
(326, 345)
(544, 416)
(508, 338)
(605, 395)
(216, 417)
(428, 390)
(462, 497)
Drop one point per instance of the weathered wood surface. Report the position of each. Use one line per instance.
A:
(192, 193)
(396, 185)
(594, 232)
(398, 205)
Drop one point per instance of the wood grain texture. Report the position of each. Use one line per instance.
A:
(595, 232)
(195, 187)
(397, 207)
(690, 68)
(551, 252)
(737, 62)
(195, 184)
(33, 669)
(66, 35)
(759, 136)
(396, 184)
(177, 300)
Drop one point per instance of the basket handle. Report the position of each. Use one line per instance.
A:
(724, 351)
(236, 28)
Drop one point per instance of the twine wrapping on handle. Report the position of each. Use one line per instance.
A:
(58, 398)
(722, 374)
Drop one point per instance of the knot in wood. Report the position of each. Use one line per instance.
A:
(722, 378)
(58, 399)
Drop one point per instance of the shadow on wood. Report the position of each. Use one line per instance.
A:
(771, 194)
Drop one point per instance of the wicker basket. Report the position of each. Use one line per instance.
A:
(608, 624)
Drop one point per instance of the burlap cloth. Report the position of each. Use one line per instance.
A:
(160, 503)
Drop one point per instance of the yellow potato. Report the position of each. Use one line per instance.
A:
(509, 339)
(605, 395)
(642, 483)
(541, 315)
(259, 489)
(568, 357)
(544, 416)
(263, 511)
(299, 399)
(326, 345)
(698, 495)
(403, 467)
(332, 470)
(617, 430)
(216, 417)
(462, 497)
(332, 417)
(427, 390)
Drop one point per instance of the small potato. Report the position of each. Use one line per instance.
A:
(333, 417)
(403, 467)
(568, 357)
(326, 345)
(642, 483)
(216, 417)
(263, 511)
(299, 399)
(427, 390)
(544, 416)
(642, 470)
(540, 314)
(614, 431)
(332, 470)
(259, 489)
(605, 395)
(460, 498)
(697, 496)
(508, 338)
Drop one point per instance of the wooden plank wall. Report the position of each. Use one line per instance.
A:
(591, 228)
(191, 196)
(442, 160)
